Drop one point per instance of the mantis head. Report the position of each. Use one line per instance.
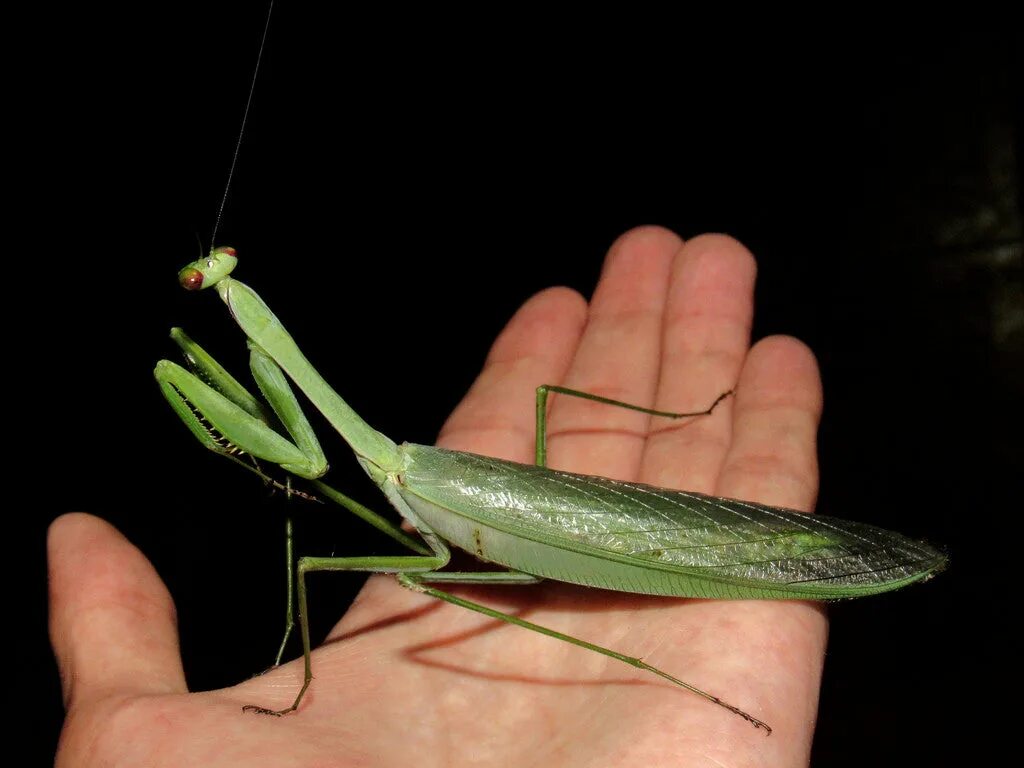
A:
(208, 271)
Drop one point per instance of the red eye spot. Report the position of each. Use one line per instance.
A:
(190, 279)
(226, 249)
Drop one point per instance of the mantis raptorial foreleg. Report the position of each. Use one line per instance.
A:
(226, 418)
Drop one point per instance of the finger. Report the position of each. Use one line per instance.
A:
(773, 460)
(618, 357)
(705, 338)
(773, 457)
(112, 621)
(496, 417)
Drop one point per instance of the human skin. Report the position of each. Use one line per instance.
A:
(405, 679)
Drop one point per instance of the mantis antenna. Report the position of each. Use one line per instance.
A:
(241, 130)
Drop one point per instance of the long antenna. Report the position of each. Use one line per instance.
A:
(241, 130)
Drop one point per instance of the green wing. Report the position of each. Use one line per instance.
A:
(704, 537)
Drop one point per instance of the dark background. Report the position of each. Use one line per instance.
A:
(877, 181)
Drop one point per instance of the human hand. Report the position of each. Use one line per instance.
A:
(406, 678)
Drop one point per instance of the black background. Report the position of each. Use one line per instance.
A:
(405, 184)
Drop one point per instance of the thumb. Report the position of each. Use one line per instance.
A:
(112, 620)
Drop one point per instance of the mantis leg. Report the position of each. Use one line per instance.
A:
(400, 564)
(227, 419)
(415, 582)
(542, 413)
(289, 617)
(364, 513)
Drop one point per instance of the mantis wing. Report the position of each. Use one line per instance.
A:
(639, 538)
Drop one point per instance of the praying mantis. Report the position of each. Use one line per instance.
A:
(534, 522)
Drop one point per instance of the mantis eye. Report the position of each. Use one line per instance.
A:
(191, 279)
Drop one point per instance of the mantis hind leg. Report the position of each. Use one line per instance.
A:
(416, 582)
(542, 412)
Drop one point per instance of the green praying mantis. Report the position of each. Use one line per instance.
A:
(533, 522)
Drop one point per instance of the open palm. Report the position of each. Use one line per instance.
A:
(405, 679)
